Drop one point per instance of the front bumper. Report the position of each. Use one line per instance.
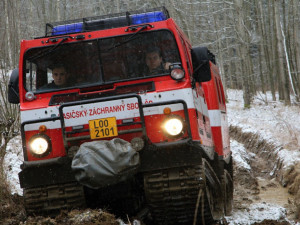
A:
(167, 155)
(46, 172)
(152, 157)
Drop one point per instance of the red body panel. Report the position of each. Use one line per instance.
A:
(215, 97)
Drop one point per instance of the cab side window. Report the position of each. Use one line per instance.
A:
(30, 76)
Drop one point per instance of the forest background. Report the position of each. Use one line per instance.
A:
(256, 42)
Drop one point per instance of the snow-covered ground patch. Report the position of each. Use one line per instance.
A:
(273, 121)
(240, 156)
(257, 213)
(12, 161)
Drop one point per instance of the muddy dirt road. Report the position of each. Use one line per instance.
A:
(262, 186)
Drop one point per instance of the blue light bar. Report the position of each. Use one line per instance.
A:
(107, 21)
(67, 29)
(148, 17)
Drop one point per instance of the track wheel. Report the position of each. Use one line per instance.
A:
(203, 211)
(51, 199)
(209, 206)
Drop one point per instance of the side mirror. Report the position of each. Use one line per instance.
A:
(13, 87)
(201, 57)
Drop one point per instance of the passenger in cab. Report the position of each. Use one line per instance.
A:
(60, 78)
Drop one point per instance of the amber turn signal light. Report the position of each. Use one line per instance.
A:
(167, 111)
(42, 129)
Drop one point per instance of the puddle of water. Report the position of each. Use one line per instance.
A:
(273, 192)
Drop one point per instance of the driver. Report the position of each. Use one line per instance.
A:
(154, 62)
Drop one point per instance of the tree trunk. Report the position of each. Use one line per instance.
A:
(296, 46)
(8, 37)
(243, 52)
(285, 87)
(58, 10)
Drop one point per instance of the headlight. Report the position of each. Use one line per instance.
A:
(173, 126)
(177, 73)
(39, 145)
(29, 96)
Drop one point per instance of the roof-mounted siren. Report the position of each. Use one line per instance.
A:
(107, 21)
(149, 17)
(61, 28)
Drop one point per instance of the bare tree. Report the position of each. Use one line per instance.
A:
(284, 84)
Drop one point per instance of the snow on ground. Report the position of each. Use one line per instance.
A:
(12, 161)
(257, 213)
(241, 157)
(273, 121)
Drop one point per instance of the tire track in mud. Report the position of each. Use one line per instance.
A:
(268, 180)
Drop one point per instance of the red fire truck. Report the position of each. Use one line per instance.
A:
(121, 110)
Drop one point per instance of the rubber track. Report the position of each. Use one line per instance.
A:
(50, 199)
(172, 194)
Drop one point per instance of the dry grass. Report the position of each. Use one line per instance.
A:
(292, 135)
(11, 206)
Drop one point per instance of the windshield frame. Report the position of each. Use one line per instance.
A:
(100, 51)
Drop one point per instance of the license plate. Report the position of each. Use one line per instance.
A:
(103, 128)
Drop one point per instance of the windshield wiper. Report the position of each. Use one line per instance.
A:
(42, 54)
(130, 38)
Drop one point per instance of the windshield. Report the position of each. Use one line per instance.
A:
(100, 61)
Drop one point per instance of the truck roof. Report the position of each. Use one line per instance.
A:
(106, 21)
